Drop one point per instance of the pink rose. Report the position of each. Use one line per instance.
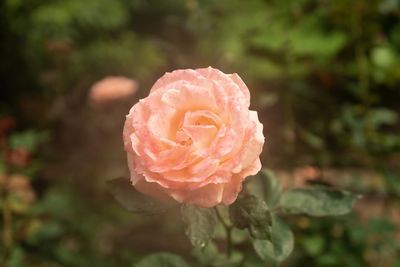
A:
(194, 138)
(112, 88)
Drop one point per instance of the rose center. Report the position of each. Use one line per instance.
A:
(198, 127)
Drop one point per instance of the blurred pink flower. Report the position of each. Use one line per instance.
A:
(304, 174)
(20, 192)
(194, 138)
(112, 88)
(19, 157)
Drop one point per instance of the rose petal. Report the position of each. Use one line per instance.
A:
(255, 144)
(206, 197)
(189, 97)
(233, 188)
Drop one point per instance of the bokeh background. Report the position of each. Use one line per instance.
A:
(324, 76)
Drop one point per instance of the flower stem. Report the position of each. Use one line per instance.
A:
(228, 232)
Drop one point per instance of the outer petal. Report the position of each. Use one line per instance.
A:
(188, 75)
(255, 144)
(189, 97)
(232, 189)
(242, 86)
(233, 86)
(206, 197)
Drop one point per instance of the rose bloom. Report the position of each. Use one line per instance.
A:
(194, 138)
(112, 88)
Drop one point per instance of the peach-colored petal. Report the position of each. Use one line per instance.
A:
(232, 189)
(232, 85)
(189, 97)
(201, 135)
(202, 117)
(256, 143)
(160, 123)
(242, 87)
(203, 169)
(190, 76)
(206, 197)
(220, 97)
(135, 177)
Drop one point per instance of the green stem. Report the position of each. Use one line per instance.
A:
(228, 232)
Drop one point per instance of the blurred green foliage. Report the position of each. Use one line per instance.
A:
(324, 77)
(298, 57)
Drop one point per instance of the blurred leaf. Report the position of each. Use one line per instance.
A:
(317, 201)
(118, 55)
(378, 117)
(314, 244)
(64, 18)
(133, 201)
(199, 224)
(387, 6)
(57, 202)
(273, 189)
(252, 261)
(70, 258)
(392, 178)
(16, 258)
(381, 226)
(28, 139)
(329, 259)
(252, 213)
(383, 57)
(318, 44)
(162, 260)
(279, 247)
(45, 232)
(210, 256)
(312, 139)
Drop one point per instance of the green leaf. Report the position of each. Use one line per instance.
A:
(210, 256)
(133, 201)
(279, 247)
(313, 244)
(162, 260)
(381, 116)
(17, 258)
(383, 56)
(199, 224)
(28, 140)
(45, 232)
(252, 213)
(317, 201)
(273, 189)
